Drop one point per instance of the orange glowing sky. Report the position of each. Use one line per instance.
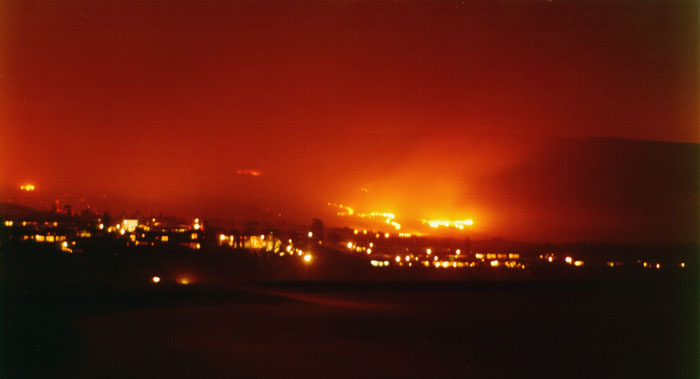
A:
(430, 110)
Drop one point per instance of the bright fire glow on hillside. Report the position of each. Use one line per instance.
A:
(249, 172)
(390, 218)
(448, 224)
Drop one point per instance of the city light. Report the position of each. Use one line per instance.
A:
(27, 187)
(376, 263)
(65, 248)
(404, 252)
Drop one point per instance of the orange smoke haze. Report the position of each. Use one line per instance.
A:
(449, 111)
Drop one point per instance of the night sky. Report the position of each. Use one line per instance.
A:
(496, 111)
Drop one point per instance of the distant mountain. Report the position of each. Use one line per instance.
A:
(602, 189)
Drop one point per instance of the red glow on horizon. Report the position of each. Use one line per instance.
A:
(450, 111)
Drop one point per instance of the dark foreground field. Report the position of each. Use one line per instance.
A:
(325, 329)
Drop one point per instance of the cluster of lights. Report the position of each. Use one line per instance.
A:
(437, 263)
(385, 215)
(343, 210)
(657, 265)
(446, 264)
(568, 260)
(127, 225)
(461, 224)
(495, 260)
(352, 246)
(508, 260)
(376, 263)
(223, 237)
(357, 248)
(66, 248)
(183, 280)
(132, 229)
(27, 187)
(388, 218)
